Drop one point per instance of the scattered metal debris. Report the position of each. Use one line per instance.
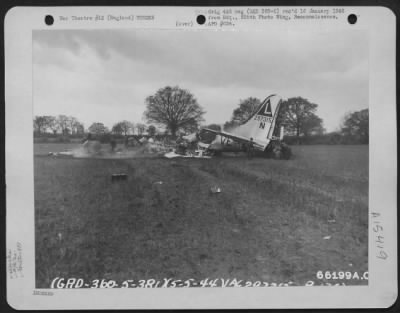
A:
(62, 153)
(119, 177)
(215, 189)
(196, 154)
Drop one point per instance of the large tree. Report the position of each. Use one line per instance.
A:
(173, 108)
(42, 123)
(122, 128)
(356, 126)
(117, 129)
(243, 112)
(298, 115)
(246, 109)
(98, 129)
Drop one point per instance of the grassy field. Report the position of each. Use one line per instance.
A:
(274, 221)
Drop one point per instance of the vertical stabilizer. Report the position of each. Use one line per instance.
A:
(261, 125)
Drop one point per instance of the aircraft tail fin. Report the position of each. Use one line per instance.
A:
(261, 125)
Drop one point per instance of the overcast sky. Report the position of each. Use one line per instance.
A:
(105, 75)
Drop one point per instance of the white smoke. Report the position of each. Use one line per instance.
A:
(94, 149)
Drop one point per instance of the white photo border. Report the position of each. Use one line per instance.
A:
(380, 22)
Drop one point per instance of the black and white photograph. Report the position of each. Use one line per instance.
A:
(200, 159)
(192, 158)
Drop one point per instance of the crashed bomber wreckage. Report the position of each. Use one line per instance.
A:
(255, 136)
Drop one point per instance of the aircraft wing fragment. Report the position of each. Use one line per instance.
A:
(234, 137)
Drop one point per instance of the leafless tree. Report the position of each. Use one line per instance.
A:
(173, 108)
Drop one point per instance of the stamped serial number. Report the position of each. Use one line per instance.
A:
(68, 283)
(342, 275)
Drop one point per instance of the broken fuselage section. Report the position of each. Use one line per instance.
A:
(255, 136)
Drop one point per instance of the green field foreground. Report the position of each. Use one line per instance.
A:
(274, 221)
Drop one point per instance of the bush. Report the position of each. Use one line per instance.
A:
(64, 139)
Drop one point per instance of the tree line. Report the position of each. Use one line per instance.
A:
(176, 110)
(122, 128)
(63, 125)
